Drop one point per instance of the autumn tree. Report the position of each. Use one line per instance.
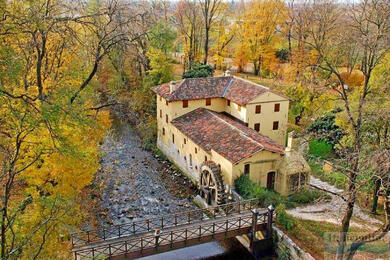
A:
(51, 117)
(224, 35)
(259, 28)
(188, 21)
(210, 10)
(351, 37)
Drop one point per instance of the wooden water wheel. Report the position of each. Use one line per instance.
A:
(211, 186)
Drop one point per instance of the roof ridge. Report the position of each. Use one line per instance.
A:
(234, 127)
(251, 82)
(227, 87)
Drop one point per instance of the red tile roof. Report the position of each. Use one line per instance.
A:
(215, 131)
(235, 89)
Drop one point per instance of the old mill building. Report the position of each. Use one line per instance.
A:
(216, 129)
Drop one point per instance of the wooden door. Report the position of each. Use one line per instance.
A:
(271, 180)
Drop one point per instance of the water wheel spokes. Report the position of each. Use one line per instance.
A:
(211, 184)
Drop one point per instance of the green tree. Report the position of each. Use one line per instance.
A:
(199, 70)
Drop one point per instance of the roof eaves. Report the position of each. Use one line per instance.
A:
(250, 155)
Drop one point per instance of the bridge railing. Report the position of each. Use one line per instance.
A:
(85, 237)
(169, 238)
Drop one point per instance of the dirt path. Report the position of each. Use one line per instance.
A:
(333, 210)
(133, 181)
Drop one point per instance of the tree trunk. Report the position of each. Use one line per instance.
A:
(206, 46)
(289, 46)
(375, 196)
(256, 68)
(345, 226)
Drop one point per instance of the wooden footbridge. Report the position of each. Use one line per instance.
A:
(160, 234)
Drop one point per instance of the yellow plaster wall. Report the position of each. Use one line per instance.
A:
(176, 107)
(260, 164)
(268, 116)
(233, 110)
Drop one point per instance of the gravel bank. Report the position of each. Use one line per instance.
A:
(136, 183)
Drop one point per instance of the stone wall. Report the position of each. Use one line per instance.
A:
(287, 249)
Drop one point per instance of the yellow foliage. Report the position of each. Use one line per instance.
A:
(258, 32)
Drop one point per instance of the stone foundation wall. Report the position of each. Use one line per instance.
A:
(287, 249)
(172, 154)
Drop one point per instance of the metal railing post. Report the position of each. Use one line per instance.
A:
(271, 209)
(213, 229)
(200, 232)
(255, 214)
(227, 227)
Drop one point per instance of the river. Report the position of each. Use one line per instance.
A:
(136, 184)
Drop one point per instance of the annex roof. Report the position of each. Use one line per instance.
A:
(215, 131)
(232, 88)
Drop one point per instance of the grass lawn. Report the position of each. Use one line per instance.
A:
(309, 235)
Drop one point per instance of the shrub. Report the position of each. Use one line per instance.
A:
(250, 190)
(282, 54)
(199, 71)
(325, 129)
(307, 196)
(285, 220)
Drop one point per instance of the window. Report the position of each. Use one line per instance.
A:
(258, 109)
(247, 168)
(239, 108)
(185, 141)
(205, 158)
(219, 166)
(160, 98)
(185, 103)
(228, 103)
(166, 102)
(196, 150)
(173, 138)
(276, 125)
(160, 113)
(257, 127)
(163, 130)
(166, 118)
(277, 107)
(208, 101)
(190, 159)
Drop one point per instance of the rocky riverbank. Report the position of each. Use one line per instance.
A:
(136, 183)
